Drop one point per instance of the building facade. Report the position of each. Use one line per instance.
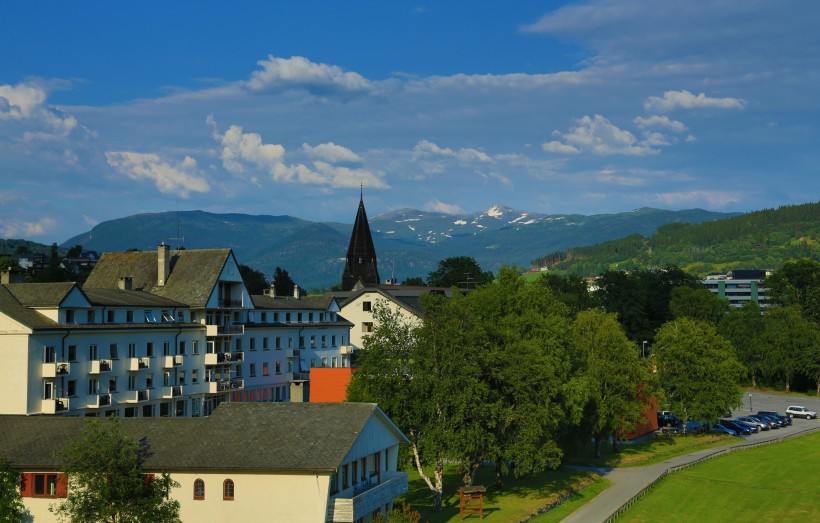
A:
(739, 286)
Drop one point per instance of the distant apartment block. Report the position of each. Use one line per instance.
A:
(739, 286)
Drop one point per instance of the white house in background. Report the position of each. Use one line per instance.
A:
(305, 462)
(160, 333)
(739, 286)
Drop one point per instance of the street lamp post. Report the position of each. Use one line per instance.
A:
(750, 403)
(643, 349)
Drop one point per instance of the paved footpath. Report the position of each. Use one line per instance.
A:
(627, 482)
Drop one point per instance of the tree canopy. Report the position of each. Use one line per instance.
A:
(458, 271)
(255, 281)
(106, 481)
(11, 502)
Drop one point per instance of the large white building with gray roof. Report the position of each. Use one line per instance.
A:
(169, 333)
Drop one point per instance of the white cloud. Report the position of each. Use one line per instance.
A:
(428, 149)
(436, 205)
(597, 135)
(281, 74)
(180, 179)
(660, 121)
(332, 153)
(672, 100)
(240, 149)
(26, 103)
(23, 229)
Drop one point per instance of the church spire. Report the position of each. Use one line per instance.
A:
(361, 254)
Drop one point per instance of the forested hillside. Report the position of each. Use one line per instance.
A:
(761, 239)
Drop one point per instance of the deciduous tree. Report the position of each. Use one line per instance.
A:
(106, 481)
(11, 503)
(458, 271)
(697, 369)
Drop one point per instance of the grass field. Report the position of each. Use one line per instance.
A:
(777, 482)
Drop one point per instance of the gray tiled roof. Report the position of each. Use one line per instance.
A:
(313, 303)
(117, 297)
(295, 437)
(194, 273)
(11, 306)
(40, 294)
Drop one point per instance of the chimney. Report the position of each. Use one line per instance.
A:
(296, 292)
(163, 264)
(125, 283)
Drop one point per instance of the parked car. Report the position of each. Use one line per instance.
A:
(754, 428)
(667, 419)
(798, 411)
(762, 425)
(720, 429)
(784, 419)
(742, 430)
(776, 422)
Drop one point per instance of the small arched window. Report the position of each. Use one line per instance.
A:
(227, 489)
(199, 489)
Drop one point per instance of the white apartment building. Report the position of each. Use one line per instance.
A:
(739, 286)
(160, 333)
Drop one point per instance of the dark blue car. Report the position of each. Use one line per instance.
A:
(735, 426)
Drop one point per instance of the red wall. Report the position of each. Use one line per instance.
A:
(329, 384)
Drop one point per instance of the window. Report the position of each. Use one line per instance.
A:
(71, 388)
(195, 347)
(278, 343)
(364, 468)
(113, 351)
(89, 316)
(195, 376)
(112, 384)
(182, 377)
(149, 349)
(324, 362)
(367, 326)
(48, 390)
(181, 347)
(252, 343)
(278, 367)
(239, 370)
(166, 379)
(199, 489)
(132, 382)
(345, 479)
(129, 316)
(238, 344)
(69, 316)
(265, 344)
(312, 342)
(92, 352)
(290, 365)
(333, 341)
(252, 370)
(334, 362)
(43, 485)
(93, 386)
(149, 380)
(299, 317)
(355, 471)
(324, 341)
(49, 355)
(227, 489)
(264, 368)
(334, 483)
(166, 348)
(110, 317)
(366, 306)
(287, 317)
(72, 353)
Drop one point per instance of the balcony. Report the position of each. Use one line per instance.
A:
(369, 497)
(54, 406)
(225, 385)
(100, 400)
(171, 392)
(52, 370)
(169, 362)
(222, 358)
(346, 349)
(132, 396)
(98, 366)
(224, 330)
(135, 364)
(292, 353)
(297, 376)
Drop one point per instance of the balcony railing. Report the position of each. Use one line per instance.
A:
(346, 349)
(54, 369)
(227, 304)
(225, 385)
(224, 330)
(135, 364)
(53, 406)
(100, 400)
(371, 497)
(297, 376)
(98, 366)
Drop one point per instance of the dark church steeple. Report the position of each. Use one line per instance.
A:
(361, 255)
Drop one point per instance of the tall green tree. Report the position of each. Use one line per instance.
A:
(283, 284)
(11, 503)
(743, 327)
(572, 290)
(458, 271)
(697, 369)
(618, 380)
(797, 283)
(788, 338)
(698, 304)
(106, 481)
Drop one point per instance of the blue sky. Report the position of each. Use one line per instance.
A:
(109, 109)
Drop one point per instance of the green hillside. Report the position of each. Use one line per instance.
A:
(758, 240)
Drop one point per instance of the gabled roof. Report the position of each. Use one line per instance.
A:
(41, 294)
(11, 307)
(262, 437)
(315, 303)
(194, 273)
(404, 295)
(123, 298)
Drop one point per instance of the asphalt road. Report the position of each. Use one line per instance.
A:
(626, 482)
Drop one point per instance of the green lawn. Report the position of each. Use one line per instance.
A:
(775, 482)
(517, 500)
(647, 452)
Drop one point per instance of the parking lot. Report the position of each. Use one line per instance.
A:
(777, 402)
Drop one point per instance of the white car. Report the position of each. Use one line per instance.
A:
(797, 411)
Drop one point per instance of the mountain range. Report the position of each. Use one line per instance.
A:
(408, 242)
